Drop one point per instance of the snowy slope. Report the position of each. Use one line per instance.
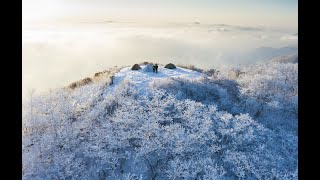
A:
(286, 59)
(174, 124)
(144, 79)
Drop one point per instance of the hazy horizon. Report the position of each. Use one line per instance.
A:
(238, 12)
(64, 41)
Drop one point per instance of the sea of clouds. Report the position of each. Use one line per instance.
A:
(56, 55)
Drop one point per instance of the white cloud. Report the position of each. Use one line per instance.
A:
(289, 37)
(54, 56)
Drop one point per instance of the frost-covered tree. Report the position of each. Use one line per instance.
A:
(180, 128)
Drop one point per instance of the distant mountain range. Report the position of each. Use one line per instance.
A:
(260, 54)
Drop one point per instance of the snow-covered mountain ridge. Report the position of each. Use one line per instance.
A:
(143, 80)
(174, 124)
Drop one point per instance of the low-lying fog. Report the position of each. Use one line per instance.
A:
(54, 56)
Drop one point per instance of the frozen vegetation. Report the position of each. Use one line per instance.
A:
(240, 123)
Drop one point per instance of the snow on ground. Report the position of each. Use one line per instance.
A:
(144, 79)
(237, 127)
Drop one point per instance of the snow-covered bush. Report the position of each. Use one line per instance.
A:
(212, 72)
(221, 92)
(191, 67)
(270, 93)
(205, 128)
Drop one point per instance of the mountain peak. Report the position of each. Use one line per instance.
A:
(175, 124)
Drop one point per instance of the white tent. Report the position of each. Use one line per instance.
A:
(148, 68)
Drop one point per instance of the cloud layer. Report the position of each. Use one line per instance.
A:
(58, 55)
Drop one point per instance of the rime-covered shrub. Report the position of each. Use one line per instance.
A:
(221, 92)
(162, 136)
(191, 67)
(270, 93)
(207, 128)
